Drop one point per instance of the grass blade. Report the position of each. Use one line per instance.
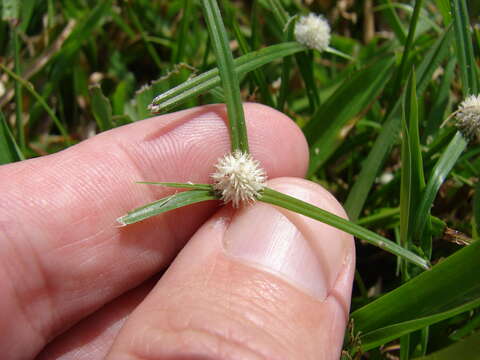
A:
(258, 76)
(464, 47)
(450, 287)
(390, 130)
(409, 43)
(210, 79)
(18, 89)
(476, 211)
(290, 203)
(413, 180)
(168, 203)
(178, 53)
(27, 85)
(179, 185)
(412, 183)
(442, 168)
(388, 333)
(324, 135)
(464, 349)
(101, 108)
(228, 75)
(9, 150)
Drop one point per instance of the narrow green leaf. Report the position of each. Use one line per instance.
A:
(258, 76)
(228, 75)
(464, 349)
(101, 108)
(476, 211)
(449, 288)
(413, 180)
(179, 49)
(444, 7)
(139, 27)
(394, 21)
(168, 203)
(385, 334)
(27, 10)
(279, 13)
(179, 185)
(464, 47)
(286, 69)
(406, 182)
(210, 79)
(81, 34)
(442, 168)
(409, 44)
(9, 150)
(18, 89)
(27, 85)
(305, 66)
(390, 130)
(290, 203)
(323, 130)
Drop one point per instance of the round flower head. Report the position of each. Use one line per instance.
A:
(468, 116)
(239, 178)
(313, 31)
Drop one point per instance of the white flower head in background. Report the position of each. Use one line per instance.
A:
(239, 178)
(313, 31)
(468, 116)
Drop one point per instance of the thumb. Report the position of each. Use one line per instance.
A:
(256, 283)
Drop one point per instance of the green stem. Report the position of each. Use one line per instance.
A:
(228, 75)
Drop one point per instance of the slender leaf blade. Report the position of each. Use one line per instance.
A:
(210, 79)
(101, 108)
(9, 150)
(290, 203)
(226, 67)
(323, 130)
(450, 286)
(168, 203)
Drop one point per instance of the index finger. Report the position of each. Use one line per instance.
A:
(62, 257)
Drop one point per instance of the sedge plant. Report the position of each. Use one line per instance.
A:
(239, 178)
(370, 95)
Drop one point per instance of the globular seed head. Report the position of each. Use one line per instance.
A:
(313, 31)
(468, 116)
(238, 178)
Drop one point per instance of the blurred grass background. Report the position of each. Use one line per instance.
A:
(72, 68)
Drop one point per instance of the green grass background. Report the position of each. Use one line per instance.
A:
(73, 68)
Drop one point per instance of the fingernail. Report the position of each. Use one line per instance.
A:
(306, 253)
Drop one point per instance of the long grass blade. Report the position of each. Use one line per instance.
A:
(290, 203)
(27, 85)
(9, 150)
(442, 168)
(179, 185)
(168, 203)
(464, 47)
(228, 75)
(358, 194)
(449, 288)
(323, 130)
(101, 108)
(409, 43)
(210, 79)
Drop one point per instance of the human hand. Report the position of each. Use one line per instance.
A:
(255, 283)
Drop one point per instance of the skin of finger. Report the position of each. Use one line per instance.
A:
(62, 255)
(92, 337)
(210, 306)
